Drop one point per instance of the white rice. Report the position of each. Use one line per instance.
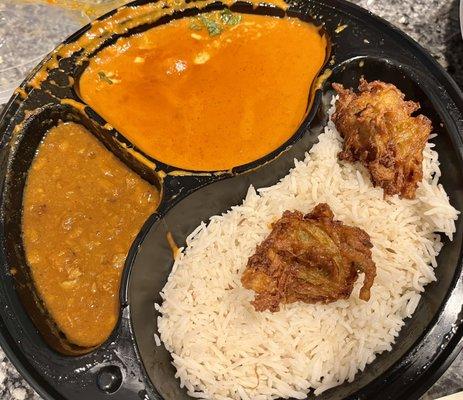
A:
(223, 349)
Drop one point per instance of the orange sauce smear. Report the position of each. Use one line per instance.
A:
(206, 102)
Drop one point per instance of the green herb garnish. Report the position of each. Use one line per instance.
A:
(230, 18)
(104, 77)
(213, 28)
(215, 22)
(195, 25)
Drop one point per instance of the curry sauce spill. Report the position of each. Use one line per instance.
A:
(82, 209)
(211, 92)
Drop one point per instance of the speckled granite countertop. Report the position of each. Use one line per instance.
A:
(435, 25)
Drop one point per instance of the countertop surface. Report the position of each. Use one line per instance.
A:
(435, 25)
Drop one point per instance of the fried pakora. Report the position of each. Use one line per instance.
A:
(379, 130)
(311, 258)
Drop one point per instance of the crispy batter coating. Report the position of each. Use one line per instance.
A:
(379, 131)
(310, 258)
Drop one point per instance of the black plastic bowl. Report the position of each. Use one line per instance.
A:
(128, 365)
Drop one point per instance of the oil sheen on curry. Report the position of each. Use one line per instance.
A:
(82, 209)
(210, 92)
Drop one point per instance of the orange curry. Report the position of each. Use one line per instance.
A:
(210, 92)
(82, 209)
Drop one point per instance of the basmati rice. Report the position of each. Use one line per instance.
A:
(223, 349)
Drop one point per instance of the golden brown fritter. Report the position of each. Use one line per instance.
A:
(379, 131)
(310, 258)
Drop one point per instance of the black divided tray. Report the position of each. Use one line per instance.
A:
(128, 365)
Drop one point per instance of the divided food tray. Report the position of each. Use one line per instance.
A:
(129, 365)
